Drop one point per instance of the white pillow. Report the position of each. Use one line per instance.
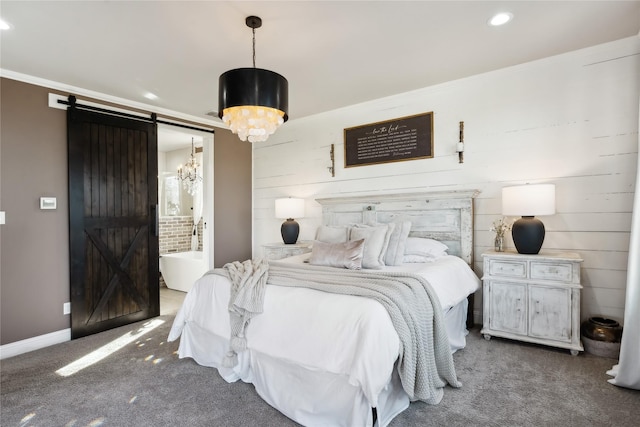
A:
(341, 255)
(376, 241)
(397, 242)
(330, 234)
(425, 247)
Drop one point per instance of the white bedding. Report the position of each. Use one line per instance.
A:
(307, 339)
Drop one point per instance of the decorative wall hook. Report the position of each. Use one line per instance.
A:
(460, 146)
(332, 168)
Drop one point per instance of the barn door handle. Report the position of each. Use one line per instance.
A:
(156, 221)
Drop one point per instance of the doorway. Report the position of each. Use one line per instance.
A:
(180, 209)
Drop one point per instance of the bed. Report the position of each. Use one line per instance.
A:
(331, 359)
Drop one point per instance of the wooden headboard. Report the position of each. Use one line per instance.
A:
(446, 216)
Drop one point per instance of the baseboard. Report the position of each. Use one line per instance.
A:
(35, 343)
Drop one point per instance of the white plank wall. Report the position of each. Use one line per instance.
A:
(571, 120)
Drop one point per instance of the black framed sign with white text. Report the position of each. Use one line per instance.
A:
(404, 138)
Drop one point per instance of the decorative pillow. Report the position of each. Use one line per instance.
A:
(425, 247)
(330, 234)
(376, 241)
(341, 255)
(397, 243)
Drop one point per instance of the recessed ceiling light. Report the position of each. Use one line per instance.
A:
(500, 19)
(150, 95)
(4, 25)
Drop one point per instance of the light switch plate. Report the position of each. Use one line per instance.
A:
(48, 203)
(1, 217)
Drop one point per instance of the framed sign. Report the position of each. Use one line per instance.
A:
(404, 138)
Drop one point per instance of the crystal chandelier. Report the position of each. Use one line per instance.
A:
(253, 102)
(190, 173)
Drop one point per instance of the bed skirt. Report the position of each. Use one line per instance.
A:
(309, 396)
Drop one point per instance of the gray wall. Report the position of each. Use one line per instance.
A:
(34, 256)
(34, 280)
(232, 199)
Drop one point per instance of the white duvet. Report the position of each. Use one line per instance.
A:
(344, 335)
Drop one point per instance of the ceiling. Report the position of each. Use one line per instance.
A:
(333, 53)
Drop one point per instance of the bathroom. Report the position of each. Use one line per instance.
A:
(184, 201)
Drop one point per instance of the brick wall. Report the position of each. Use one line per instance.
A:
(175, 234)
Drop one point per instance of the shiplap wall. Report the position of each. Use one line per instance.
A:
(571, 120)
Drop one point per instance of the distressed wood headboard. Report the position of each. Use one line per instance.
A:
(446, 216)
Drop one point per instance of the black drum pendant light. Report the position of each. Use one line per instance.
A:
(253, 102)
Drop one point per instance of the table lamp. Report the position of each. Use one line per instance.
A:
(288, 209)
(528, 201)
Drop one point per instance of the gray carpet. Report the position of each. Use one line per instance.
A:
(505, 383)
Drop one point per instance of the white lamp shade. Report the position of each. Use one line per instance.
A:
(289, 208)
(529, 200)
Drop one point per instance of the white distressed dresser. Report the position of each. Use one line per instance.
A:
(276, 251)
(533, 298)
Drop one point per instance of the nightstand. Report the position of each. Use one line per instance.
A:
(533, 298)
(275, 251)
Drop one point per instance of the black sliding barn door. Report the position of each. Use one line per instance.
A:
(113, 240)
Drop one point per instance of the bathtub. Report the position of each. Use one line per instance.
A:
(181, 269)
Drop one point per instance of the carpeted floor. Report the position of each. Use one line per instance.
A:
(505, 383)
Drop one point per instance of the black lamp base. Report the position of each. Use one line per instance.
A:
(528, 235)
(290, 230)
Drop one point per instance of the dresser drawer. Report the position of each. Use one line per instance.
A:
(504, 268)
(555, 271)
(274, 253)
(296, 251)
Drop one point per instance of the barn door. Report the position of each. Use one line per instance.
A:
(113, 240)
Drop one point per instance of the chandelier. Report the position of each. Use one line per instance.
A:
(253, 102)
(189, 174)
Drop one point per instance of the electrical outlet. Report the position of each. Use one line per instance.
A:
(66, 308)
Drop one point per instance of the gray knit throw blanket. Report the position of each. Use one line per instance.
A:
(425, 364)
(248, 280)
